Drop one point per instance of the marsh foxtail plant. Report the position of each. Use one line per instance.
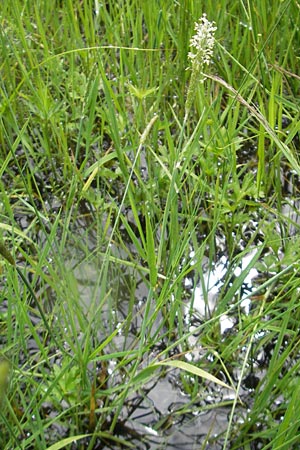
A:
(201, 51)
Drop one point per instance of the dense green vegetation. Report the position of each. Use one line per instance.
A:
(115, 191)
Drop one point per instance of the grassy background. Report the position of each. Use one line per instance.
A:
(105, 191)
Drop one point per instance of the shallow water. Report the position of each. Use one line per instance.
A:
(158, 418)
(164, 401)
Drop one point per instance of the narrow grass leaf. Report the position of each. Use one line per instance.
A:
(4, 375)
(144, 374)
(151, 250)
(190, 368)
(70, 440)
(16, 231)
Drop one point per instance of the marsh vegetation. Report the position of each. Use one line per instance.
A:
(149, 237)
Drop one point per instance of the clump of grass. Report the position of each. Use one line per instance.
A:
(121, 173)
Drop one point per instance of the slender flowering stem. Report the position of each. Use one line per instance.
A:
(201, 45)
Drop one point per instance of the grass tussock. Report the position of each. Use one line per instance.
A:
(134, 166)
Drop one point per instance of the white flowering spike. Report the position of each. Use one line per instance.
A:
(201, 45)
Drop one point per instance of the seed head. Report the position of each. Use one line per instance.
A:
(201, 45)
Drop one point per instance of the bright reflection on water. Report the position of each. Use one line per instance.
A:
(206, 293)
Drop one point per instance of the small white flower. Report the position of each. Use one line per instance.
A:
(202, 42)
(201, 45)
